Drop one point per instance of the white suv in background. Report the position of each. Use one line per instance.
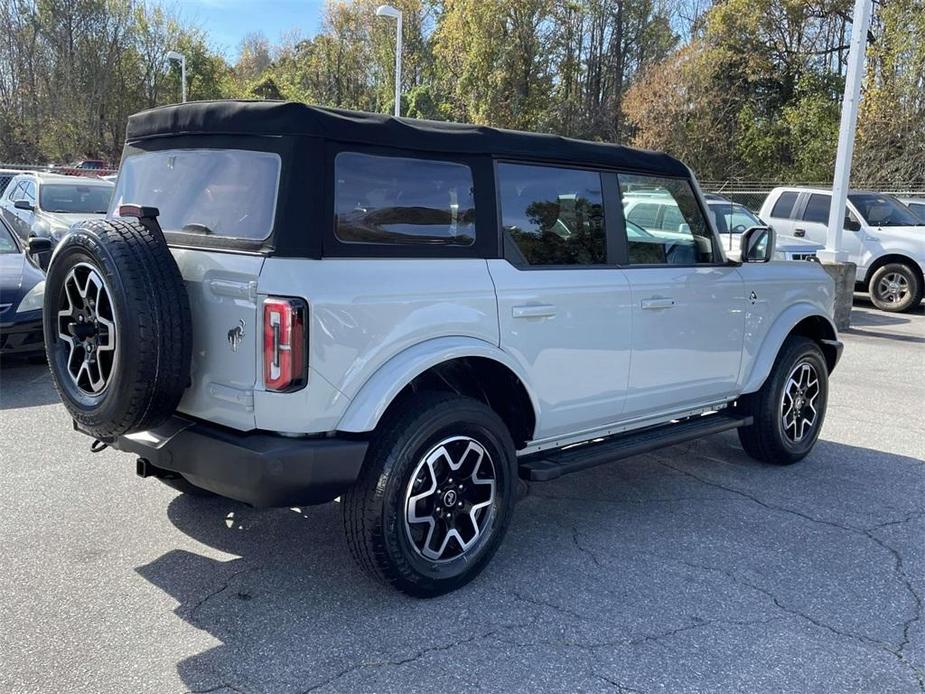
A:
(733, 219)
(659, 211)
(881, 236)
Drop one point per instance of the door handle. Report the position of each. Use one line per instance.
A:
(657, 303)
(534, 311)
(799, 233)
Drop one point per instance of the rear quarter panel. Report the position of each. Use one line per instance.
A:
(363, 312)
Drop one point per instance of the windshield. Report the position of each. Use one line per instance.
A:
(880, 210)
(222, 192)
(70, 198)
(732, 217)
(7, 244)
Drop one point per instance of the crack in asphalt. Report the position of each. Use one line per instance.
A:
(654, 638)
(190, 614)
(216, 688)
(584, 550)
(902, 521)
(898, 569)
(551, 605)
(619, 686)
(416, 656)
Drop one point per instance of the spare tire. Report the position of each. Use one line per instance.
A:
(117, 327)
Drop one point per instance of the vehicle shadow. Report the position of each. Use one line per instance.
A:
(658, 544)
(25, 384)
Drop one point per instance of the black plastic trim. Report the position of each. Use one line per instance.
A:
(543, 467)
(258, 468)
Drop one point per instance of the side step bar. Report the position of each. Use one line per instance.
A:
(542, 467)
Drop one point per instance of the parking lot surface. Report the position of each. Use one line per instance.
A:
(691, 569)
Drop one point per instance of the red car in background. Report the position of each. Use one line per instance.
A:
(86, 167)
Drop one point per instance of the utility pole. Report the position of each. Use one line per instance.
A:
(834, 253)
(834, 258)
(389, 11)
(173, 55)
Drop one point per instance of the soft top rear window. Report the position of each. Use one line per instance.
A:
(216, 192)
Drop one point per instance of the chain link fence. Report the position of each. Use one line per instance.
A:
(751, 194)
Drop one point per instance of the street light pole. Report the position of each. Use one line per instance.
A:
(389, 11)
(173, 55)
(834, 252)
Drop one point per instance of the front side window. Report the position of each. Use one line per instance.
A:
(817, 208)
(71, 198)
(554, 216)
(402, 200)
(679, 235)
(220, 192)
(880, 210)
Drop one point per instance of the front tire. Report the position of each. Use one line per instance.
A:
(895, 287)
(435, 496)
(789, 410)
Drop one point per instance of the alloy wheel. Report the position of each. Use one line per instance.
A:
(449, 502)
(86, 323)
(893, 288)
(798, 403)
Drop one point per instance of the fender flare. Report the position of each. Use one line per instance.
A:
(377, 393)
(780, 330)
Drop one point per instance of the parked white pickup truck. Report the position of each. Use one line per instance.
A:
(881, 235)
(290, 305)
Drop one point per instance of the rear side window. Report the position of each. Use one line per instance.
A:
(554, 216)
(784, 205)
(817, 208)
(401, 200)
(679, 236)
(220, 192)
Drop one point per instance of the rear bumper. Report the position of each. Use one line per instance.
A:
(257, 468)
(23, 337)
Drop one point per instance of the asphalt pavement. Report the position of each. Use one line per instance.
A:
(694, 569)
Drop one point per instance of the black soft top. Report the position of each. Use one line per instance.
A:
(282, 118)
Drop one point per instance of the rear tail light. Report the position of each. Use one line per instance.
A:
(284, 353)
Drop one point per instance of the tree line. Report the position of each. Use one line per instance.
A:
(739, 89)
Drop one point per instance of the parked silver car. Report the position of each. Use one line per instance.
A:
(45, 204)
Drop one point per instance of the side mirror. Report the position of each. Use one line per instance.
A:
(757, 245)
(852, 225)
(39, 249)
(24, 205)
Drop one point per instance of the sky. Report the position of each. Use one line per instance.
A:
(228, 21)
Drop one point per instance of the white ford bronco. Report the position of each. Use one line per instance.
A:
(290, 305)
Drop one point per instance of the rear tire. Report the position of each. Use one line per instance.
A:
(895, 287)
(401, 515)
(789, 410)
